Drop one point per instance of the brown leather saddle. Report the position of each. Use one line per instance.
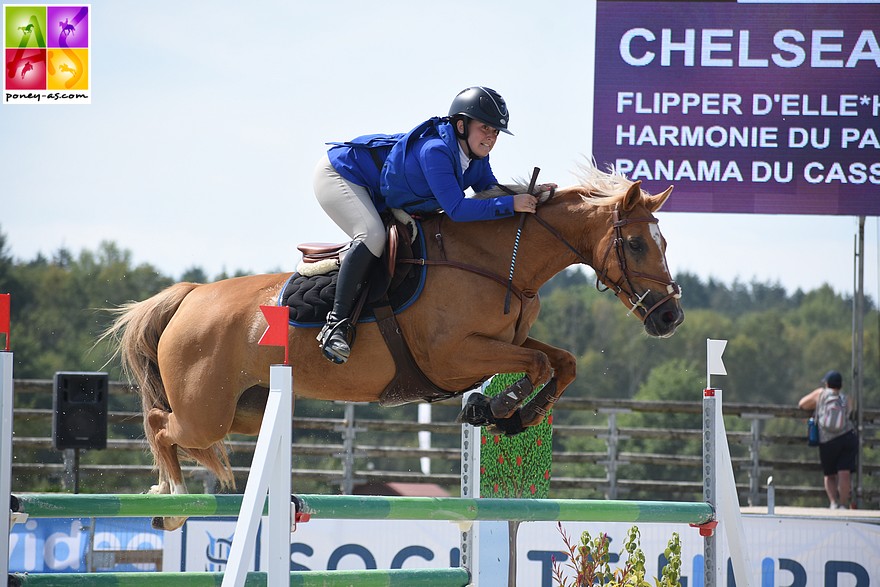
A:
(381, 282)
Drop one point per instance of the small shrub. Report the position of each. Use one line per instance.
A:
(590, 561)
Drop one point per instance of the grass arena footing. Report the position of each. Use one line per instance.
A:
(450, 577)
(370, 507)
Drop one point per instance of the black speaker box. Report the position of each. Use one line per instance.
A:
(79, 410)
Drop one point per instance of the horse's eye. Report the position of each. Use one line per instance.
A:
(636, 245)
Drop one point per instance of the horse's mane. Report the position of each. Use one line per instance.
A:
(599, 187)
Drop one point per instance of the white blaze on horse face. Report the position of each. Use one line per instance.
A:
(658, 238)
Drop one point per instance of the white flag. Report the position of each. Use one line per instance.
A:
(714, 350)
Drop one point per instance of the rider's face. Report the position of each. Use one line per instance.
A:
(481, 137)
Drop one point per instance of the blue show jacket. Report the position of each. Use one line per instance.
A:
(422, 174)
(360, 160)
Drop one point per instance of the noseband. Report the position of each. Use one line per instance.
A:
(623, 285)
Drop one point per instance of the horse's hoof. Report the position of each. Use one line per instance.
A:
(476, 411)
(168, 524)
(508, 426)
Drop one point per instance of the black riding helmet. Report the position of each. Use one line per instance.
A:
(483, 104)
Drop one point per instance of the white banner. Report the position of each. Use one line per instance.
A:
(791, 552)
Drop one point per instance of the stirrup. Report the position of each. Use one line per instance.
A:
(345, 330)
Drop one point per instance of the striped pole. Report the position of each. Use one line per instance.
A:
(371, 507)
(450, 577)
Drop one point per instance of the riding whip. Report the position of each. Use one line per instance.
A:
(519, 229)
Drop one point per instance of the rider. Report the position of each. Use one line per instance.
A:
(425, 170)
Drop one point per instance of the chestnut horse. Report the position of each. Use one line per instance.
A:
(192, 348)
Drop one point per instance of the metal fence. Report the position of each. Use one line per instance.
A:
(602, 448)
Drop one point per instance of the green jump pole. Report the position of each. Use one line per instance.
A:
(450, 577)
(353, 507)
(526, 510)
(65, 505)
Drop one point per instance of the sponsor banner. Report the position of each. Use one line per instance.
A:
(60, 545)
(203, 545)
(786, 552)
(745, 107)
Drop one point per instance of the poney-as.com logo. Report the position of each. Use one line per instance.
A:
(46, 54)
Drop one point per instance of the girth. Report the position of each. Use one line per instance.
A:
(410, 384)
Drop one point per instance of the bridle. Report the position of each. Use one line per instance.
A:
(624, 284)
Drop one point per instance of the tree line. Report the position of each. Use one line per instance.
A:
(780, 343)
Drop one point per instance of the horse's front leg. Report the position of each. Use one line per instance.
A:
(564, 371)
(499, 357)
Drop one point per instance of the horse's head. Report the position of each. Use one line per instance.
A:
(608, 223)
(630, 258)
(622, 242)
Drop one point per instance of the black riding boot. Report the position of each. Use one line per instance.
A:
(336, 337)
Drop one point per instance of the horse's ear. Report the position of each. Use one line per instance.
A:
(654, 203)
(633, 196)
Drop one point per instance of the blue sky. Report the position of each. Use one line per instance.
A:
(207, 119)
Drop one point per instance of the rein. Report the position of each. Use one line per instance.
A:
(672, 289)
(469, 268)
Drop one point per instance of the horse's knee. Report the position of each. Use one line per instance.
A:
(565, 369)
(541, 369)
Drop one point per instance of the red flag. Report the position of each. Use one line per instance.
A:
(4, 317)
(276, 333)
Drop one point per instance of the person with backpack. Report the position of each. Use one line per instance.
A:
(838, 444)
(422, 171)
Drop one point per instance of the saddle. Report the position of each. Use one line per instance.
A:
(409, 383)
(318, 258)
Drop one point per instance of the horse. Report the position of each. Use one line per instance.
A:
(193, 349)
(66, 68)
(66, 27)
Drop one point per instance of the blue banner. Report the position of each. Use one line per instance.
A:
(59, 545)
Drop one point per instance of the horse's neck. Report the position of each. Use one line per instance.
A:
(490, 245)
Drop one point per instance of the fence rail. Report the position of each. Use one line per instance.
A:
(610, 459)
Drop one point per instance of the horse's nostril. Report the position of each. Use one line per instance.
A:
(669, 317)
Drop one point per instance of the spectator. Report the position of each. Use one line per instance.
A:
(838, 444)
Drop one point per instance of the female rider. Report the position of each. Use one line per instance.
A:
(423, 171)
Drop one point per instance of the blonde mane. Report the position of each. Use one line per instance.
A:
(602, 184)
(601, 188)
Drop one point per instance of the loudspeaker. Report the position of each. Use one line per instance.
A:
(79, 410)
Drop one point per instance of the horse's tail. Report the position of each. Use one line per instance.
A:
(137, 330)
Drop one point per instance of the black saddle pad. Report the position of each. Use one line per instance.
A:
(309, 299)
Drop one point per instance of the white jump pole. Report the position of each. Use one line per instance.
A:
(719, 483)
(7, 402)
(484, 550)
(470, 488)
(270, 471)
(6, 406)
(484, 544)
